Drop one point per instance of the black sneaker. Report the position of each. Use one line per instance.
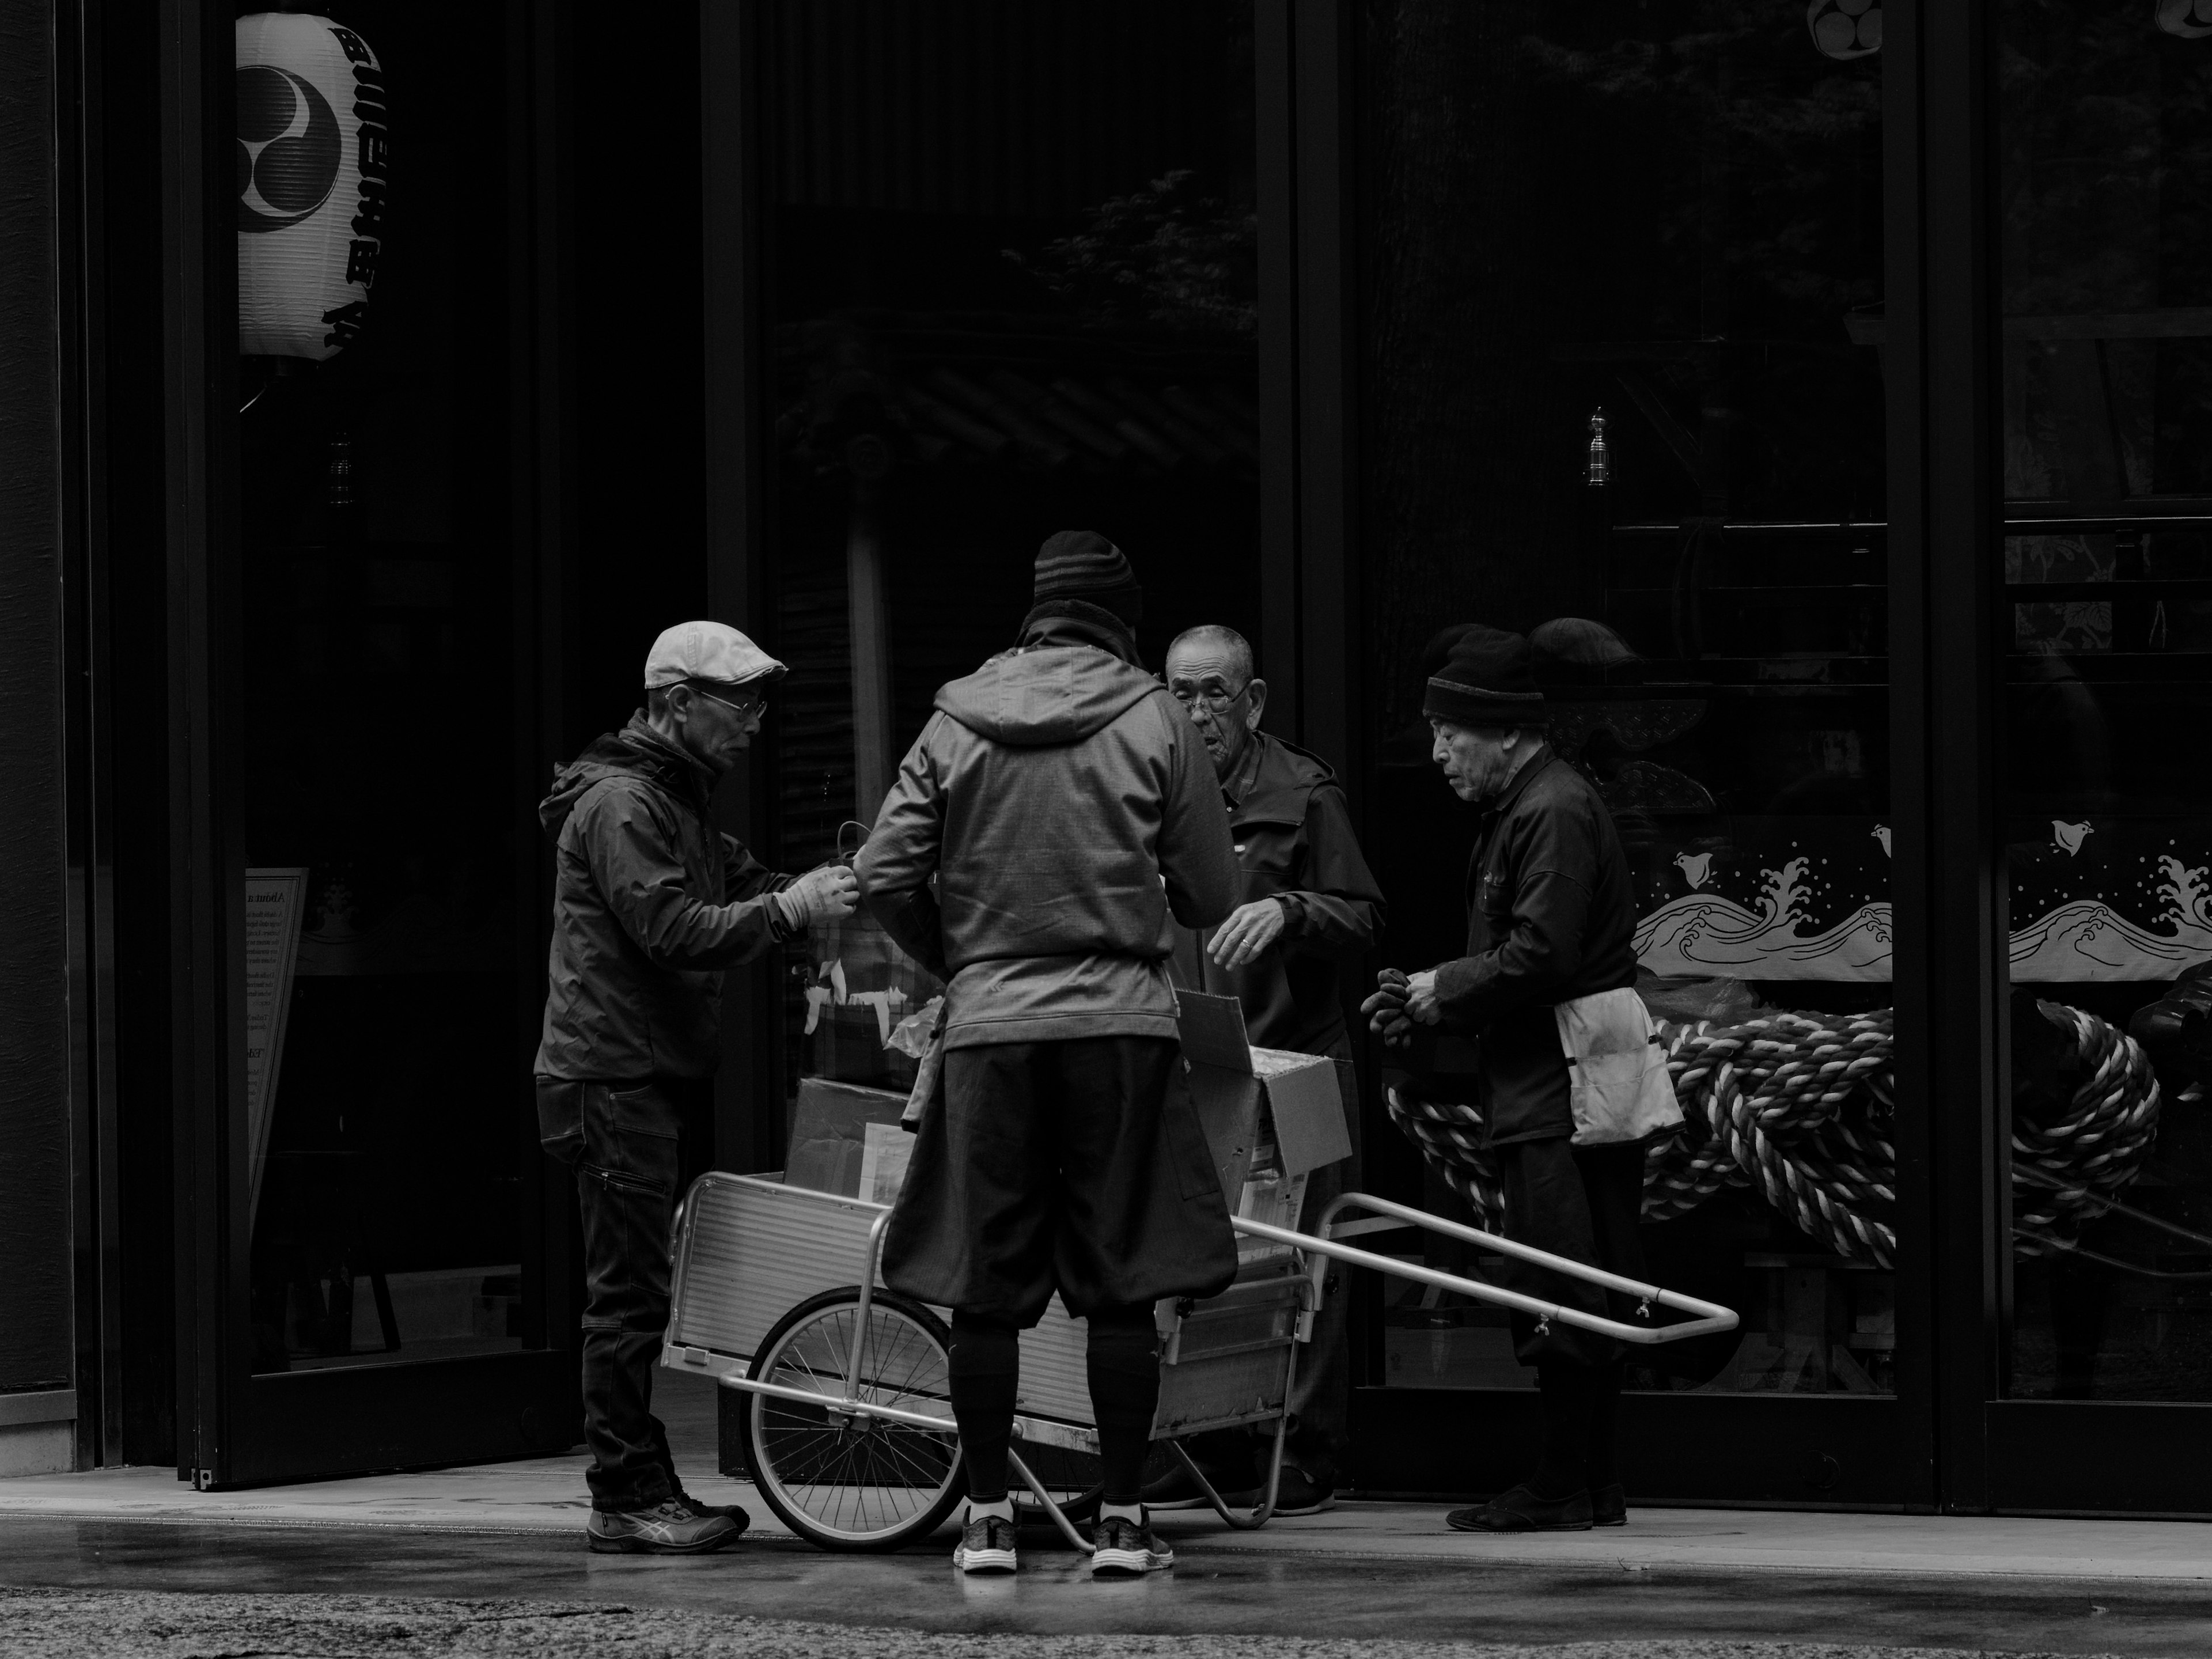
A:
(668, 1529)
(1609, 1506)
(1122, 1548)
(1522, 1511)
(987, 1545)
(1299, 1493)
(1176, 1490)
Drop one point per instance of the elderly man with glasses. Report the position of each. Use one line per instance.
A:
(1311, 909)
(651, 903)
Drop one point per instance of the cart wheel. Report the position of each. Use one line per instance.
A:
(836, 1483)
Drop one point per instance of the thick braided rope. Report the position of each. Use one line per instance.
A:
(1797, 1106)
(2091, 1149)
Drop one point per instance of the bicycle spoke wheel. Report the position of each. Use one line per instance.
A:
(851, 1483)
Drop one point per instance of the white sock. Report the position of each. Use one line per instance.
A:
(1002, 1510)
(1122, 1512)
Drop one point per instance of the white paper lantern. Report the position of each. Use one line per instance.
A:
(2192, 20)
(310, 183)
(1844, 29)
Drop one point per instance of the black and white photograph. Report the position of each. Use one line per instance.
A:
(1062, 828)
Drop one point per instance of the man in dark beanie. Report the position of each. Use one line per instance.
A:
(1070, 817)
(1550, 918)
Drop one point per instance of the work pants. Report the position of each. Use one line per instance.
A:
(644, 1141)
(1584, 1203)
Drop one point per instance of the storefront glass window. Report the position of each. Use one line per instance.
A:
(390, 962)
(1622, 378)
(1011, 291)
(2105, 135)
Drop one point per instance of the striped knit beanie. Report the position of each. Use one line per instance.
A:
(1082, 565)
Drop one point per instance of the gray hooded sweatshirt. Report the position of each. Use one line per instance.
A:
(1064, 803)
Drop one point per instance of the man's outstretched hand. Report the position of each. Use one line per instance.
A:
(832, 890)
(1250, 929)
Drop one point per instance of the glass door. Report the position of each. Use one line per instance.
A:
(383, 1295)
(1623, 375)
(2106, 651)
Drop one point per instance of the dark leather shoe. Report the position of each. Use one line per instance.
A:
(1522, 1511)
(1609, 1506)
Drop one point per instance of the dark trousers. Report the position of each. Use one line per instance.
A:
(643, 1143)
(1584, 1203)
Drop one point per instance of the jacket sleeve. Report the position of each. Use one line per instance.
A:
(638, 872)
(745, 876)
(1341, 905)
(903, 852)
(1537, 958)
(1197, 854)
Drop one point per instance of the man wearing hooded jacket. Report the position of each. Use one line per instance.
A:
(650, 903)
(1070, 818)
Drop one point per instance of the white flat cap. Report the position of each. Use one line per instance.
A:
(707, 650)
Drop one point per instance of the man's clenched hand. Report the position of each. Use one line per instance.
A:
(1250, 929)
(832, 890)
(1386, 1010)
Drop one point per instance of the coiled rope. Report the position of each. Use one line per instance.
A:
(1799, 1107)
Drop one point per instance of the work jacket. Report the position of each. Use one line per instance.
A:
(1550, 917)
(650, 902)
(1070, 815)
(1293, 831)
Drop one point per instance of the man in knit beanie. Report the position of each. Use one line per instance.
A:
(1550, 918)
(1068, 812)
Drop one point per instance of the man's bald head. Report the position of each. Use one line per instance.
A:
(1209, 669)
(1233, 648)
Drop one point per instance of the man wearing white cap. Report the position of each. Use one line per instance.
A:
(651, 903)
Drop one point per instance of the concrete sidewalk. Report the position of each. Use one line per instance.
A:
(547, 1496)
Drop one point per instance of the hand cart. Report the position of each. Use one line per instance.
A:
(848, 1431)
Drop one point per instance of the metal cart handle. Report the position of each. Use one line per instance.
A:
(1708, 1317)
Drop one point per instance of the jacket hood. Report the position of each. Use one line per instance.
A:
(1285, 775)
(634, 751)
(1042, 695)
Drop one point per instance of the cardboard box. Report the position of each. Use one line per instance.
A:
(829, 1134)
(1271, 1117)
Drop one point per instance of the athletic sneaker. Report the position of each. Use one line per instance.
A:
(1122, 1548)
(987, 1545)
(673, 1527)
(1609, 1506)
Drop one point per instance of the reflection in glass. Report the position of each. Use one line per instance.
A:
(2107, 271)
(1013, 292)
(377, 800)
(1622, 366)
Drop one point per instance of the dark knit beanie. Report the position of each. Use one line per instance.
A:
(1082, 565)
(1486, 680)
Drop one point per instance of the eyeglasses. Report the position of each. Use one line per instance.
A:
(1217, 698)
(749, 710)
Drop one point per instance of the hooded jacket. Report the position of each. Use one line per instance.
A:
(1070, 818)
(1293, 830)
(650, 902)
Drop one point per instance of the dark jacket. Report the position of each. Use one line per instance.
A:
(1066, 808)
(650, 902)
(1293, 830)
(1550, 917)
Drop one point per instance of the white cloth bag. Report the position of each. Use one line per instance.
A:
(1619, 1089)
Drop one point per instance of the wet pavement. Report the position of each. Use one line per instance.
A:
(490, 1560)
(1343, 1601)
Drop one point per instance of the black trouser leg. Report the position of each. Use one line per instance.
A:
(1564, 1468)
(626, 1185)
(1123, 1363)
(1605, 1427)
(985, 1362)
